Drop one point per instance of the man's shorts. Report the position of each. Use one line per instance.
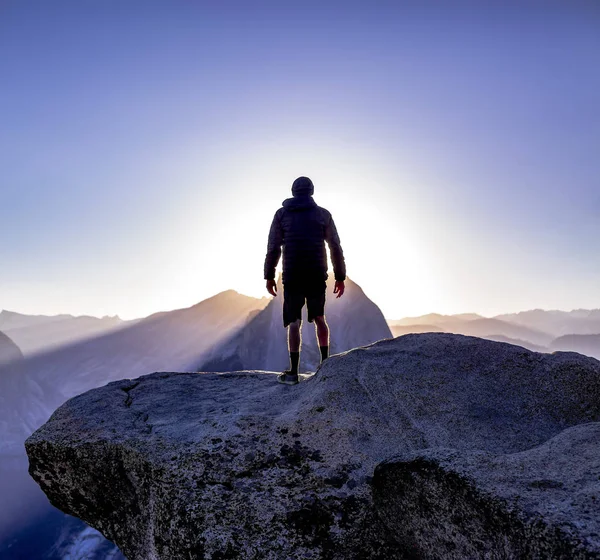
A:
(296, 294)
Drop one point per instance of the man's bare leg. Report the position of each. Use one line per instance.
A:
(322, 336)
(294, 344)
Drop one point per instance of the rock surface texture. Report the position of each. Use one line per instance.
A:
(539, 503)
(234, 465)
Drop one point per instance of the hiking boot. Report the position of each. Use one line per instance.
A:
(288, 378)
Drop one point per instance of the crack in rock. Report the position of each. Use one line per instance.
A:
(143, 416)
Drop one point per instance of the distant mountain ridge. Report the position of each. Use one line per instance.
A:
(587, 344)
(14, 319)
(482, 327)
(558, 323)
(37, 333)
(537, 329)
(433, 319)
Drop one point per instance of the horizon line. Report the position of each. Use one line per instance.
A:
(139, 318)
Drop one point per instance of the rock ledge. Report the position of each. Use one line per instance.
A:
(234, 465)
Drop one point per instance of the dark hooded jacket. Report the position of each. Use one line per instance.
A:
(302, 228)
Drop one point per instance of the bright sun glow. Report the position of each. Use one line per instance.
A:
(382, 245)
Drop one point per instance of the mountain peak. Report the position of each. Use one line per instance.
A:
(354, 320)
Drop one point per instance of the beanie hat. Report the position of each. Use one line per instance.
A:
(303, 186)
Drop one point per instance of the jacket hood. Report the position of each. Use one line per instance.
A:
(303, 186)
(299, 203)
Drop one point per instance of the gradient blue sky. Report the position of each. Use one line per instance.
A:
(145, 147)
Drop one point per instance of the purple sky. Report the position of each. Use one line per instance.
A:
(145, 146)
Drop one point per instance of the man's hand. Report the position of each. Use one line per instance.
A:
(272, 287)
(339, 288)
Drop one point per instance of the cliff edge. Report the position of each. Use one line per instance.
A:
(234, 465)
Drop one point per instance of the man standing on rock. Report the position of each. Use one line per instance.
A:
(302, 228)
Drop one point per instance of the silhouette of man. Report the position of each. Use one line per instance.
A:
(302, 228)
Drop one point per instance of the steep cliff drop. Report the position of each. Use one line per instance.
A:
(234, 465)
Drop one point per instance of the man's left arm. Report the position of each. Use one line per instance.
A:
(335, 249)
(337, 257)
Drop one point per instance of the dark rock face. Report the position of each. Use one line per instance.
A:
(9, 351)
(234, 465)
(22, 407)
(354, 320)
(539, 503)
